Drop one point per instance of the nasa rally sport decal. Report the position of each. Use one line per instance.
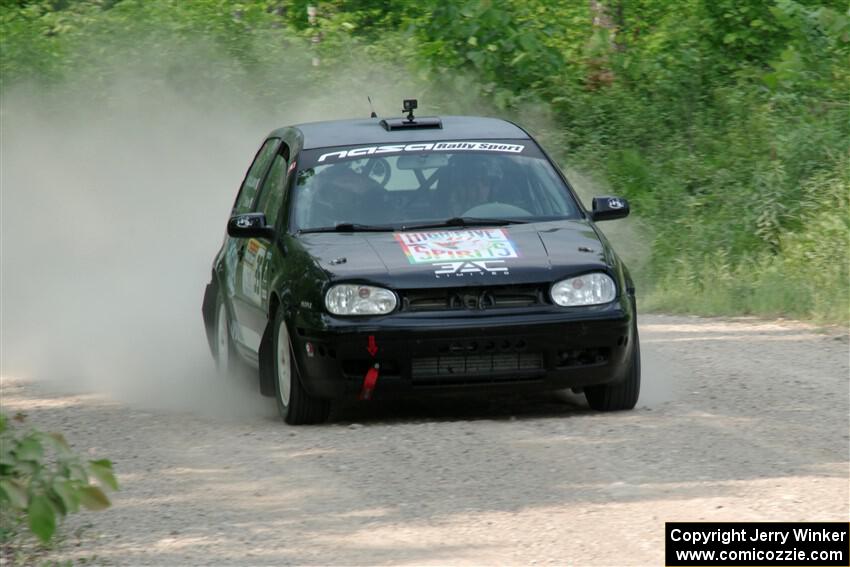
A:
(451, 146)
(458, 253)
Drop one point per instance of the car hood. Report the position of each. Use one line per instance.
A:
(514, 254)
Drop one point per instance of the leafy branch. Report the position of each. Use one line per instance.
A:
(42, 479)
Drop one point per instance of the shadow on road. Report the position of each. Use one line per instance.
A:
(465, 407)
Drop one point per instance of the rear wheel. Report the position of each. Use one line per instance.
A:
(619, 395)
(295, 405)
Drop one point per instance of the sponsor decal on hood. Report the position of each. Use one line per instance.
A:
(459, 252)
(456, 245)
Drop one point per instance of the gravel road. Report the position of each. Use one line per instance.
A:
(740, 419)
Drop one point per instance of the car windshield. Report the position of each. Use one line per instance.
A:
(407, 185)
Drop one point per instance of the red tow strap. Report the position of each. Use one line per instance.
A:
(371, 377)
(372, 347)
(369, 382)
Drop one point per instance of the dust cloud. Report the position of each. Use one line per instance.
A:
(111, 216)
(114, 202)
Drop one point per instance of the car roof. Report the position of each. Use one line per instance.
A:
(370, 131)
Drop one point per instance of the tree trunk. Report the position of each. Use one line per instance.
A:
(606, 19)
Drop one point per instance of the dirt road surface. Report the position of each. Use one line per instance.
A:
(739, 420)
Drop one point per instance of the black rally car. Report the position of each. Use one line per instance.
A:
(370, 257)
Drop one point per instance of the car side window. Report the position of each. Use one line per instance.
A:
(251, 185)
(271, 197)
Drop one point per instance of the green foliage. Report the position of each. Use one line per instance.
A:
(742, 32)
(41, 480)
(503, 43)
(724, 121)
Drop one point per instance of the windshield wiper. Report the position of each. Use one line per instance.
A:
(349, 227)
(463, 221)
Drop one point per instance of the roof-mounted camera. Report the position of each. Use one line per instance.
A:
(410, 123)
(408, 106)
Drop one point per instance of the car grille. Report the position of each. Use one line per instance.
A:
(472, 298)
(474, 365)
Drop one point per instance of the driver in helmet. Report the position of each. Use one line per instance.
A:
(342, 195)
(476, 186)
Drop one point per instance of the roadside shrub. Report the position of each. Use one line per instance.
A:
(42, 480)
(807, 275)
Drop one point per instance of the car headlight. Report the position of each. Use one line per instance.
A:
(353, 299)
(589, 289)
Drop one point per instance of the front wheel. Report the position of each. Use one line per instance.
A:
(619, 395)
(225, 355)
(294, 404)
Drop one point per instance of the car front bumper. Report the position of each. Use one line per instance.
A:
(543, 350)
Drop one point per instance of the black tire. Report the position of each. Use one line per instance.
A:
(300, 408)
(618, 395)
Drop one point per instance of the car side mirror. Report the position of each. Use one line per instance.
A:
(609, 208)
(249, 225)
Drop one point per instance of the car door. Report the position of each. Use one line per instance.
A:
(235, 248)
(259, 252)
